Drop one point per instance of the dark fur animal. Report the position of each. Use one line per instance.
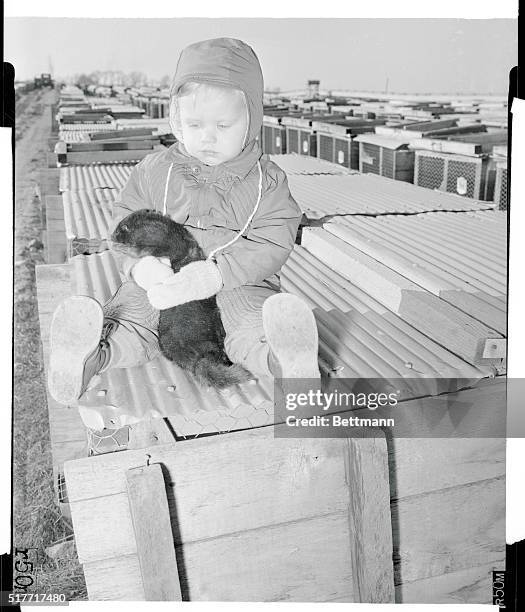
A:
(192, 334)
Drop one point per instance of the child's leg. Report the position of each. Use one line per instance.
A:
(86, 339)
(132, 321)
(269, 333)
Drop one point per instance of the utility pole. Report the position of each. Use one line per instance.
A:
(386, 85)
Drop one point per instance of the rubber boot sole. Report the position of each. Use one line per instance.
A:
(291, 333)
(75, 334)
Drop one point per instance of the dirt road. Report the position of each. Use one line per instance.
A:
(37, 521)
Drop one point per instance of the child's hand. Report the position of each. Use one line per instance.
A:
(195, 281)
(149, 271)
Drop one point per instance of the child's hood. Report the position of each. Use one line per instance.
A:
(229, 62)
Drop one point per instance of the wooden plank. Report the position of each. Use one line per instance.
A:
(447, 146)
(150, 432)
(298, 561)
(120, 145)
(472, 586)
(448, 530)
(460, 294)
(473, 128)
(115, 579)
(52, 160)
(154, 538)
(121, 134)
(56, 242)
(369, 520)
(422, 465)
(220, 488)
(447, 325)
(67, 431)
(106, 156)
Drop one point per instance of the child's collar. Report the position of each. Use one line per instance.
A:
(239, 167)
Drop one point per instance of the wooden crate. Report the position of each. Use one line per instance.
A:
(338, 149)
(253, 518)
(302, 141)
(273, 137)
(259, 518)
(388, 157)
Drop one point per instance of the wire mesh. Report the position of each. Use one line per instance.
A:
(457, 173)
(430, 171)
(107, 440)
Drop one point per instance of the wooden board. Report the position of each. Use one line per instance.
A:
(213, 481)
(120, 145)
(370, 528)
(67, 432)
(56, 242)
(472, 585)
(90, 157)
(448, 530)
(420, 465)
(154, 539)
(460, 294)
(447, 325)
(298, 561)
(447, 146)
(121, 134)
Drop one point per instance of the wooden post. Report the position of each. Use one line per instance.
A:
(152, 526)
(370, 525)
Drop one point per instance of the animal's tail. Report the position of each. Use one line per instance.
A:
(219, 375)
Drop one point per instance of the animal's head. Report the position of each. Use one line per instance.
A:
(143, 232)
(148, 232)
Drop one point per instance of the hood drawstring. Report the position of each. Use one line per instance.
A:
(241, 232)
(165, 206)
(249, 220)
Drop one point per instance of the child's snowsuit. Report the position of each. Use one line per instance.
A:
(214, 202)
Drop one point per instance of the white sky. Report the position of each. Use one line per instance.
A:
(417, 55)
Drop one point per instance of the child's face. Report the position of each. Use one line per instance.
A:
(214, 123)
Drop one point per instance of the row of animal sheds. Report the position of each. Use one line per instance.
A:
(494, 113)
(454, 155)
(154, 102)
(107, 122)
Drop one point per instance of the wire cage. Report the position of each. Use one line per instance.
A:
(301, 141)
(273, 136)
(460, 174)
(501, 191)
(388, 157)
(338, 149)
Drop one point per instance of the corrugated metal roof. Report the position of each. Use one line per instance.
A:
(69, 136)
(304, 164)
(160, 388)
(87, 213)
(460, 257)
(370, 194)
(87, 127)
(95, 176)
(360, 338)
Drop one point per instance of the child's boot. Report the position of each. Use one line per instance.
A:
(78, 350)
(291, 333)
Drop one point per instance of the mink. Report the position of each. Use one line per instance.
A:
(191, 334)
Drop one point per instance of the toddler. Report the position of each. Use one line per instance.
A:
(238, 207)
